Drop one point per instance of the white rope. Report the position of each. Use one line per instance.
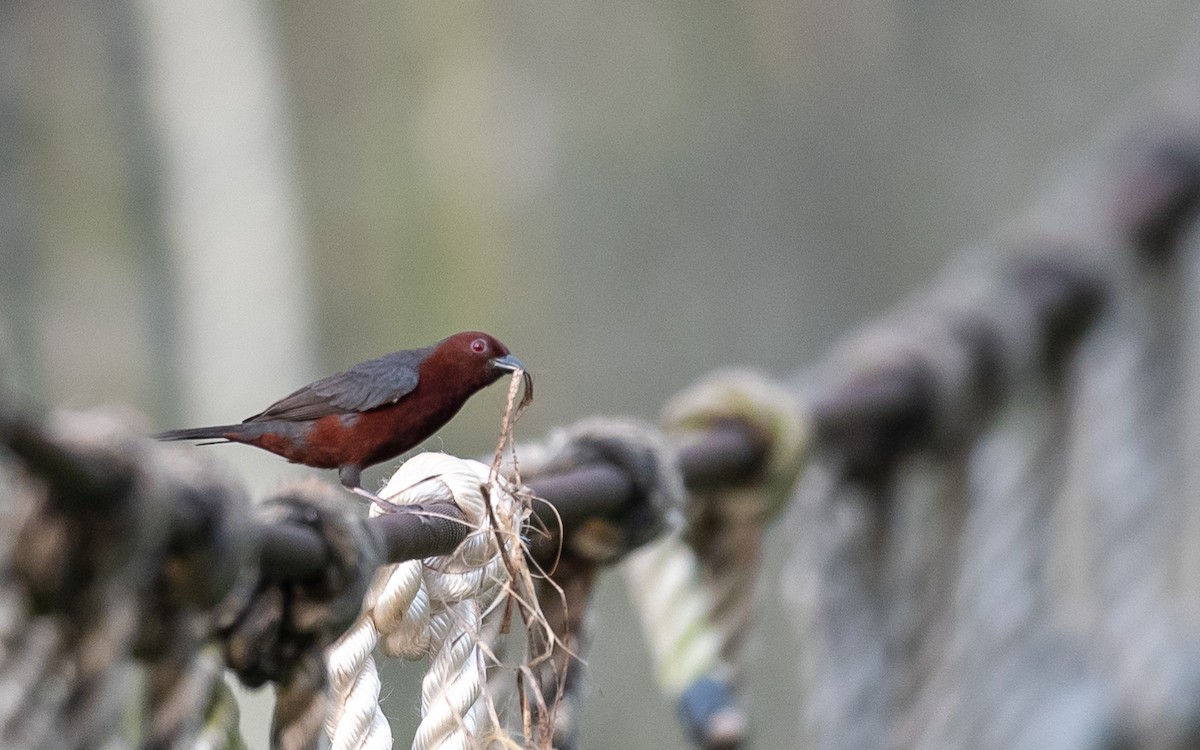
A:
(832, 589)
(1127, 409)
(434, 607)
(696, 606)
(667, 588)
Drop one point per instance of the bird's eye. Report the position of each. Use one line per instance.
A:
(479, 346)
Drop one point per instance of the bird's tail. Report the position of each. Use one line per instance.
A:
(216, 434)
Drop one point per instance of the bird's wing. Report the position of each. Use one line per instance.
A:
(371, 384)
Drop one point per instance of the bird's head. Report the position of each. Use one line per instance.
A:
(481, 355)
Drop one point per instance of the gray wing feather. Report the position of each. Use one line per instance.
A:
(369, 385)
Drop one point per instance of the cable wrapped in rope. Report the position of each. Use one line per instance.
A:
(190, 545)
(642, 454)
(923, 525)
(897, 409)
(92, 521)
(209, 549)
(280, 631)
(696, 592)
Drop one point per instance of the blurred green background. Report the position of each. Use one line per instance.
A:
(205, 205)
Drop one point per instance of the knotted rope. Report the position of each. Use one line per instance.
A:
(436, 607)
(1127, 414)
(208, 551)
(279, 632)
(117, 551)
(895, 568)
(556, 655)
(89, 525)
(695, 591)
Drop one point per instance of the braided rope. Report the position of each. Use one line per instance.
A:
(726, 527)
(831, 586)
(220, 730)
(695, 593)
(435, 607)
(356, 719)
(667, 588)
(71, 583)
(1126, 415)
(557, 646)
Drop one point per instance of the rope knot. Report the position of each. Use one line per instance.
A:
(97, 518)
(207, 551)
(695, 591)
(439, 607)
(755, 399)
(438, 477)
(641, 452)
(283, 622)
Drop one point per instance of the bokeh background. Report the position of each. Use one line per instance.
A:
(206, 204)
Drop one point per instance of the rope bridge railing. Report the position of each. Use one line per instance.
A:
(993, 504)
(727, 453)
(990, 536)
(304, 554)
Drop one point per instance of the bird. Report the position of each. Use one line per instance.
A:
(372, 412)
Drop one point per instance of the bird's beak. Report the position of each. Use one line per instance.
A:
(507, 362)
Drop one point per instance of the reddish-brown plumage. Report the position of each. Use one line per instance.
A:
(372, 412)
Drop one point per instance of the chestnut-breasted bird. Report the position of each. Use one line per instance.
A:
(372, 412)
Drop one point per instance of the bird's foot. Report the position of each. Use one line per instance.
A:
(384, 505)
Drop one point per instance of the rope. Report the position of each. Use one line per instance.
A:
(73, 572)
(981, 663)
(301, 704)
(832, 587)
(726, 527)
(279, 631)
(642, 454)
(220, 727)
(205, 558)
(666, 584)
(1126, 417)
(191, 704)
(438, 607)
(695, 593)
(898, 529)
